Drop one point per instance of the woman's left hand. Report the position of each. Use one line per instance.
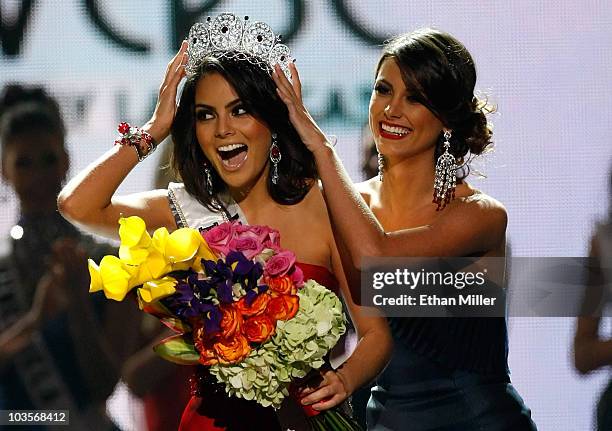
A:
(291, 94)
(330, 391)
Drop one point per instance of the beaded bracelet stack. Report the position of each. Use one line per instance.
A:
(141, 140)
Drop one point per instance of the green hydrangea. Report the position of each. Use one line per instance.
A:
(298, 346)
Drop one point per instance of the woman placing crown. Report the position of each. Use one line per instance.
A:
(238, 156)
(445, 373)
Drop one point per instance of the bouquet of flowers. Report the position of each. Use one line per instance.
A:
(237, 302)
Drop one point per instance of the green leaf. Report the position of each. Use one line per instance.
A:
(176, 325)
(178, 349)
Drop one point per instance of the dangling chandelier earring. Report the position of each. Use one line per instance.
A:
(275, 157)
(445, 178)
(381, 166)
(209, 184)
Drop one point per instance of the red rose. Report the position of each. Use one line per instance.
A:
(258, 329)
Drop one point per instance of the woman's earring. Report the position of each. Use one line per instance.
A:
(445, 178)
(275, 157)
(381, 166)
(209, 184)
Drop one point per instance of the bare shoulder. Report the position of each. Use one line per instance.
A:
(368, 188)
(478, 209)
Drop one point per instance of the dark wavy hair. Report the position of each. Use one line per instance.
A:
(439, 72)
(257, 91)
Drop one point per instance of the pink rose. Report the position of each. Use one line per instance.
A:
(263, 234)
(273, 240)
(279, 264)
(249, 246)
(297, 276)
(219, 237)
(243, 231)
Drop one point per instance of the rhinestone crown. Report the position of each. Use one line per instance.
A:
(228, 35)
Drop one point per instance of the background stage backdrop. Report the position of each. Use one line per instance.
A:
(546, 64)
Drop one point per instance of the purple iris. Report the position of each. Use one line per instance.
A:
(246, 272)
(219, 279)
(252, 294)
(190, 299)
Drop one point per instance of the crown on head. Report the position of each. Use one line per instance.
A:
(228, 35)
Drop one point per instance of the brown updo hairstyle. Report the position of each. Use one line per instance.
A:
(439, 72)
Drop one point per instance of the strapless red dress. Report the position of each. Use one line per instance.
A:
(213, 410)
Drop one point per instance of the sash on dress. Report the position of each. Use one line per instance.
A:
(188, 212)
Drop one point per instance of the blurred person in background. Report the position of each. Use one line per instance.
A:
(592, 349)
(53, 349)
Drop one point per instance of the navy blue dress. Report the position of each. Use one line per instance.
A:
(447, 374)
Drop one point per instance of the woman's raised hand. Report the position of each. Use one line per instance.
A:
(291, 94)
(163, 116)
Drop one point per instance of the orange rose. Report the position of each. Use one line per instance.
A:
(282, 285)
(204, 347)
(258, 329)
(283, 307)
(233, 350)
(257, 307)
(208, 357)
(231, 321)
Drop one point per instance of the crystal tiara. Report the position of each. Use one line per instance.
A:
(228, 35)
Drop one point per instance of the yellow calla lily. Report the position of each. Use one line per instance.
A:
(157, 289)
(181, 266)
(204, 252)
(114, 276)
(145, 259)
(135, 240)
(159, 240)
(95, 284)
(182, 245)
(153, 267)
(133, 255)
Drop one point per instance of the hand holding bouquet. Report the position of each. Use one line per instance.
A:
(238, 303)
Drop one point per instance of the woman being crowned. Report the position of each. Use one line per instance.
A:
(239, 157)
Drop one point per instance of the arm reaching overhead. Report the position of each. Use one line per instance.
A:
(88, 199)
(476, 226)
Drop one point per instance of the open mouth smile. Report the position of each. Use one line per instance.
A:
(393, 131)
(233, 156)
